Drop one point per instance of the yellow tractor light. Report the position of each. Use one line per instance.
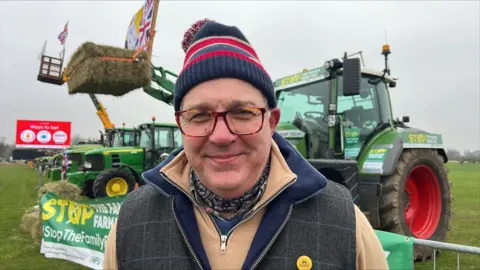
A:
(386, 49)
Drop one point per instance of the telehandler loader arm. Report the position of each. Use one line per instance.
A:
(165, 93)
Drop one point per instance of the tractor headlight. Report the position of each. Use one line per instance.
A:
(87, 165)
(327, 65)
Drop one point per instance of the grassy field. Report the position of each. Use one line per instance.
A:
(19, 251)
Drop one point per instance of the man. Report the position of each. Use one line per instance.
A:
(236, 195)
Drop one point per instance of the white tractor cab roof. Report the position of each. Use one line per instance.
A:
(317, 74)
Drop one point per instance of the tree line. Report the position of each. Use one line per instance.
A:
(468, 156)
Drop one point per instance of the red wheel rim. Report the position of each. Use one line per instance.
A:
(423, 210)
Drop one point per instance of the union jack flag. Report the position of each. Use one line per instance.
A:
(63, 35)
(145, 24)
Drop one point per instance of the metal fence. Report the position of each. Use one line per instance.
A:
(446, 246)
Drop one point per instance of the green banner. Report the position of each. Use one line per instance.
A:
(398, 250)
(352, 142)
(77, 231)
(422, 140)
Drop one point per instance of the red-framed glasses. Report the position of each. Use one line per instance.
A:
(240, 121)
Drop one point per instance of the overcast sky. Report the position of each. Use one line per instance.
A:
(435, 54)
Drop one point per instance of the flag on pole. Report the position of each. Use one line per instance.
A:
(132, 41)
(63, 35)
(138, 33)
(146, 24)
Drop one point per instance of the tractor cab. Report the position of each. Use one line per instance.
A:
(158, 140)
(331, 111)
(125, 137)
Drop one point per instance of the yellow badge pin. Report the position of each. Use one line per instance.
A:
(304, 263)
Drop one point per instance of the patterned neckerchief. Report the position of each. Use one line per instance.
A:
(214, 204)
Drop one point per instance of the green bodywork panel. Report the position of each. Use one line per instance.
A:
(55, 174)
(381, 153)
(77, 178)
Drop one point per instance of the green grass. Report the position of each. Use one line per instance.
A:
(465, 222)
(19, 251)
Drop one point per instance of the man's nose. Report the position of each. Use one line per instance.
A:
(221, 134)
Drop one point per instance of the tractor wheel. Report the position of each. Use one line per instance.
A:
(416, 199)
(87, 190)
(112, 183)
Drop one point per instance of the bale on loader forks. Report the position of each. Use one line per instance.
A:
(101, 69)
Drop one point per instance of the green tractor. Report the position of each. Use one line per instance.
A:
(115, 137)
(116, 171)
(74, 154)
(340, 118)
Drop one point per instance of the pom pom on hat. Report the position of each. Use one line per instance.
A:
(191, 32)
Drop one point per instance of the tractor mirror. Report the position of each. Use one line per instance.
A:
(405, 119)
(351, 76)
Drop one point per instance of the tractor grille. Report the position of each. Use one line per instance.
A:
(97, 161)
(115, 160)
(75, 157)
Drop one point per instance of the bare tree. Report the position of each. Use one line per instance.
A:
(5, 148)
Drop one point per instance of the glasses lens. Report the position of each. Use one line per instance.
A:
(196, 122)
(244, 120)
(240, 121)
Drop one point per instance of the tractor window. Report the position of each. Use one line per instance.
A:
(361, 110)
(117, 140)
(177, 137)
(162, 138)
(309, 101)
(129, 138)
(384, 103)
(146, 138)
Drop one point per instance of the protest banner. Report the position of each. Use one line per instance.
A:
(77, 231)
(398, 250)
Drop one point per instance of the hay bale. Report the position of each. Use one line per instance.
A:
(32, 222)
(92, 74)
(63, 189)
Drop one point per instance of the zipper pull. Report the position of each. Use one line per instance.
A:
(223, 244)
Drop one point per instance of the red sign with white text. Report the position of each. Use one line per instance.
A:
(43, 134)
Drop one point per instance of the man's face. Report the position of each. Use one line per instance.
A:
(226, 163)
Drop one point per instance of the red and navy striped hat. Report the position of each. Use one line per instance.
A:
(214, 50)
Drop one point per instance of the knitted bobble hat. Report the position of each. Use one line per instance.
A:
(214, 50)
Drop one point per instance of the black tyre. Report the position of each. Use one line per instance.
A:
(87, 190)
(416, 199)
(112, 183)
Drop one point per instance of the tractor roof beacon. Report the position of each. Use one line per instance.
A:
(340, 118)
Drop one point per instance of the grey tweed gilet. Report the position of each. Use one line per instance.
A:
(322, 227)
